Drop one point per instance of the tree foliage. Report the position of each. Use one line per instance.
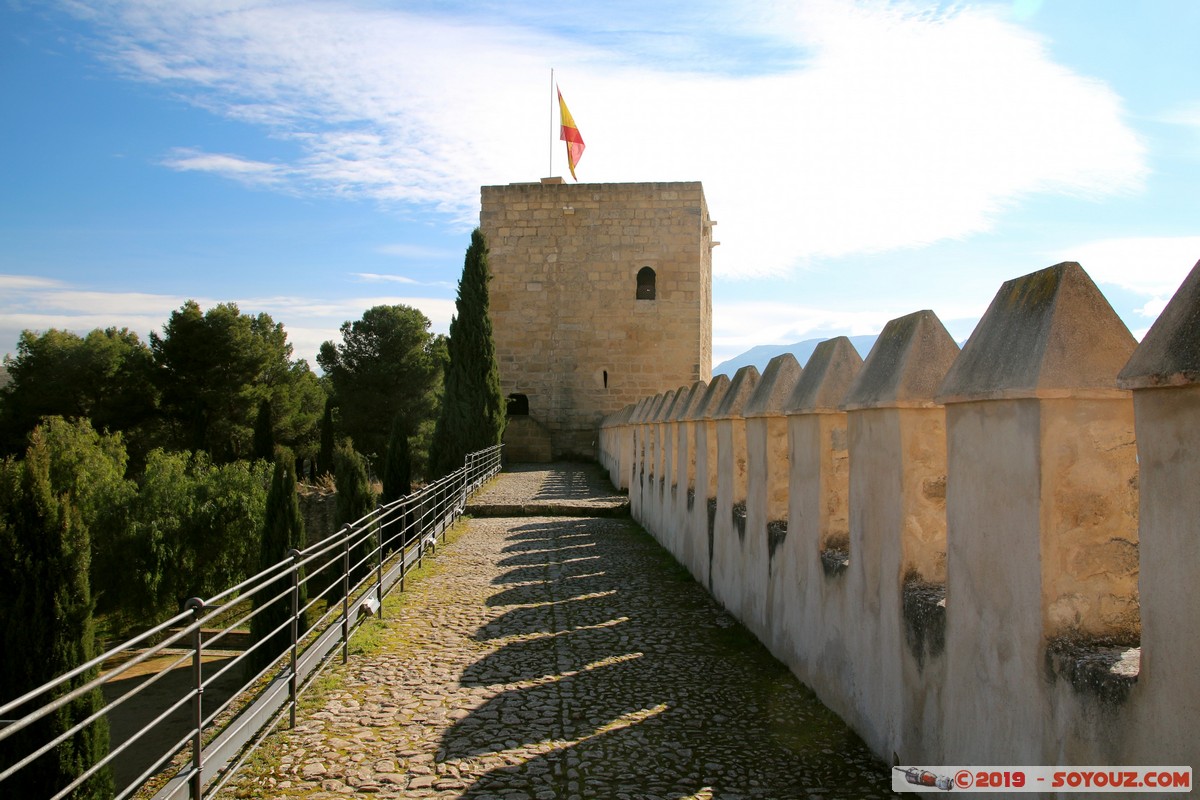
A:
(214, 370)
(283, 530)
(189, 528)
(197, 386)
(105, 377)
(472, 411)
(46, 626)
(192, 529)
(296, 410)
(386, 367)
(91, 466)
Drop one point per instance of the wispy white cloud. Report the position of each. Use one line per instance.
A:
(413, 251)
(1185, 114)
(37, 304)
(1152, 308)
(372, 277)
(882, 126)
(741, 325)
(16, 283)
(243, 170)
(1151, 266)
(375, 277)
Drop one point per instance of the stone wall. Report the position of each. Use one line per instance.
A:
(975, 557)
(318, 506)
(573, 334)
(526, 441)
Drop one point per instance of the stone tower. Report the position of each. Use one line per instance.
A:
(601, 294)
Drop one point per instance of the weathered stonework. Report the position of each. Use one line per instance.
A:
(973, 553)
(575, 329)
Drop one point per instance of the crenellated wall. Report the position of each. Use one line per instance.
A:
(977, 557)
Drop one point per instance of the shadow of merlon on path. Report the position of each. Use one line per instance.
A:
(561, 657)
(570, 489)
(642, 686)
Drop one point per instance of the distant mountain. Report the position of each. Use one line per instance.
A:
(761, 355)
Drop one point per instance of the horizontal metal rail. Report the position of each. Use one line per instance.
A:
(352, 571)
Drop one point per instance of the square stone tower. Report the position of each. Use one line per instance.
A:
(601, 294)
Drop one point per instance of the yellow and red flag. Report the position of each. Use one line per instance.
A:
(570, 135)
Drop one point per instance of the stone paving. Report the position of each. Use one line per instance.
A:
(560, 657)
(569, 489)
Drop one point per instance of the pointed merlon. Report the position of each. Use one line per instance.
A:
(661, 410)
(1050, 333)
(776, 385)
(826, 379)
(695, 394)
(733, 404)
(710, 401)
(906, 366)
(1169, 354)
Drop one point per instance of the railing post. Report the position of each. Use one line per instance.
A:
(428, 494)
(196, 784)
(405, 533)
(379, 562)
(346, 596)
(294, 555)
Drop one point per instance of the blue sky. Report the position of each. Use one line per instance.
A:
(863, 160)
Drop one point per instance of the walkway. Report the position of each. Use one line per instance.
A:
(560, 657)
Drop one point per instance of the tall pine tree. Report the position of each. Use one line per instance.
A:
(46, 628)
(472, 414)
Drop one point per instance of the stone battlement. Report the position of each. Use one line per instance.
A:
(975, 557)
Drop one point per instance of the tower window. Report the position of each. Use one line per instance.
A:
(517, 405)
(645, 284)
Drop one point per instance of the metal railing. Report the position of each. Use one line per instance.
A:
(191, 747)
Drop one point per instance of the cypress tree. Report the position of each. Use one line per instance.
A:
(472, 413)
(283, 529)
(397, 467)
(264, 436)
(354, 500)
(397, 481)
(325, 455)
(46, 629)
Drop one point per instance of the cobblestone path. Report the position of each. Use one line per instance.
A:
(560, 657)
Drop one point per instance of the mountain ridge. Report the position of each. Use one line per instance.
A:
(760, 355)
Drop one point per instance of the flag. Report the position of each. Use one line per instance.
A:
(570, 135)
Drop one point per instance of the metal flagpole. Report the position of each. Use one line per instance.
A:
(550, 174)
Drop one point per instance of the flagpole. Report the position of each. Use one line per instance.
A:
(550, 174)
